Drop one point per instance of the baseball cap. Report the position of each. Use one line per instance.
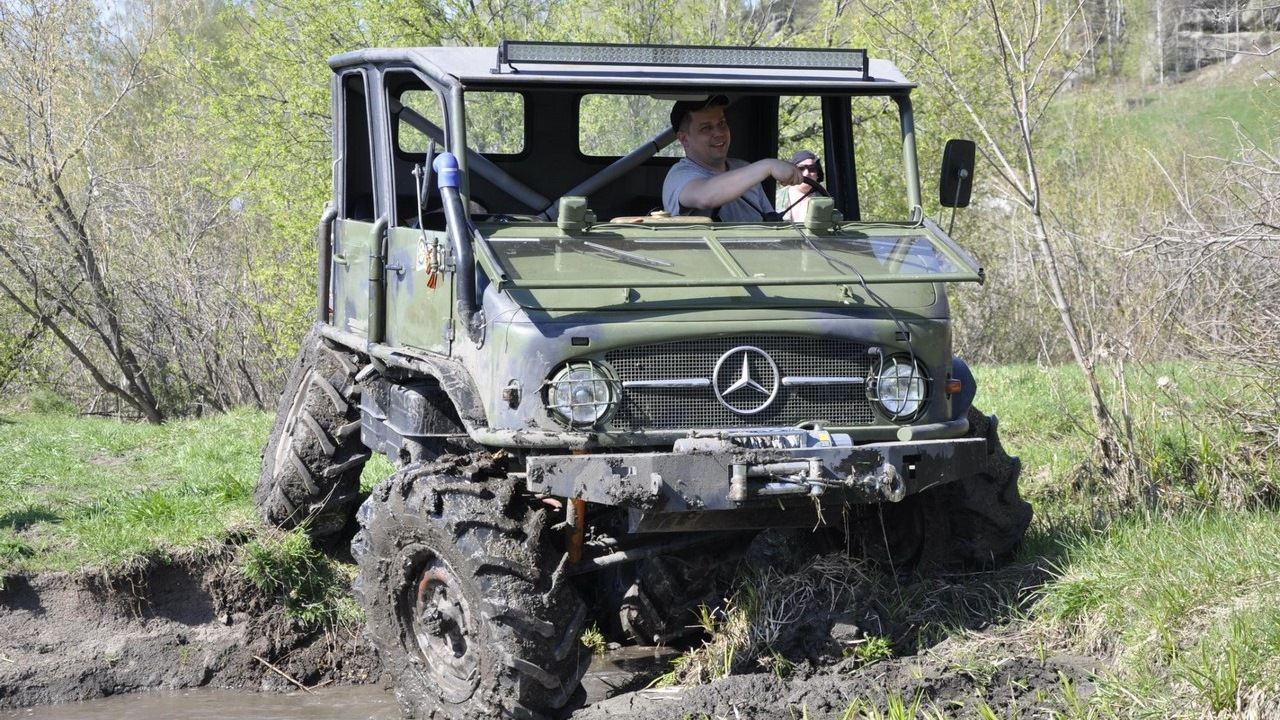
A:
(806, 155)
(802, 155)
(681, 109)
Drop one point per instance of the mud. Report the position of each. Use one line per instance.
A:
(1009, 686)
(177, 625)
(199, 624)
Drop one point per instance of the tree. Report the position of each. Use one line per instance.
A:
(1003, 66)
(59, 269)
(112, 239)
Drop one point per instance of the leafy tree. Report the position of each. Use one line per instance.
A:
(114, 242)
(58, 262)
(1003, 66)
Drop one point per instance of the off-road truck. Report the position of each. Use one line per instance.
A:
(593, 406)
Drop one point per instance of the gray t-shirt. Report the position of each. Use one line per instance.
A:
(747, 208)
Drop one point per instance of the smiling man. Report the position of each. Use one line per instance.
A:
(709, 182)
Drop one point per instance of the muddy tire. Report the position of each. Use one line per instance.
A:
(978, 520)
(460, 599)
(312, 462)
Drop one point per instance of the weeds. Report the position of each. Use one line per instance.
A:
(872, 649)
(896, 708)
(594, 640)
(766, 613)
(311, 585)
(1216, 679)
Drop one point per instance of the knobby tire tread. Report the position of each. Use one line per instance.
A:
(533, 660)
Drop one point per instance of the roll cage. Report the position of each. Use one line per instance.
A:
(530, 183)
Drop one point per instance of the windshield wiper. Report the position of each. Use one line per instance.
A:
(629, 256)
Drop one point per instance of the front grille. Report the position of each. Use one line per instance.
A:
(665, 408)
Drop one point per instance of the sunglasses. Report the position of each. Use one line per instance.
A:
(814, 168)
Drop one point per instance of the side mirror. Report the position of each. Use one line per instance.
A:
(956, 182)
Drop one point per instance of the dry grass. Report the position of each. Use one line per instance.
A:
(782, 613)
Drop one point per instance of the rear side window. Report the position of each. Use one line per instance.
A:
(614, 125)
(495, 122)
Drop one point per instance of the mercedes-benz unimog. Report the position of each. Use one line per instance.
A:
(593, 406)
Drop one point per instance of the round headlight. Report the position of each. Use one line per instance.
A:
(901, 387)
(582, 394)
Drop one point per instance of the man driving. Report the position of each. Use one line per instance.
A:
(706, 181)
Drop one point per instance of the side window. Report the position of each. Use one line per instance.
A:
(495, 122)
(877, 137)
(418, 115)
(356, 171)
(799, 128)
(877, 143)
(614, 125)
(421, 120)
(799, 125)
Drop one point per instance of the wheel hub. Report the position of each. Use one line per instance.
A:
(441, 624)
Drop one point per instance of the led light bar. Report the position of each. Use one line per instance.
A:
(511, 52)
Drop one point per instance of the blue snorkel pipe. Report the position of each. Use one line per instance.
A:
(448, 178)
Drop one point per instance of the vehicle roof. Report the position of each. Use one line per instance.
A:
(478, 67)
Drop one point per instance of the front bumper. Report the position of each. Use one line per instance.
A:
(753, 478)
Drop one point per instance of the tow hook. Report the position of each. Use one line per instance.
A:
(884, 481)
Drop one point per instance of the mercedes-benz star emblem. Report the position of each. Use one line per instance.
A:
(742, 386)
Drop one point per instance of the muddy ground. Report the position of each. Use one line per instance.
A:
(66, 637)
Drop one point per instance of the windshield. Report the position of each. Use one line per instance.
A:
(724, 256)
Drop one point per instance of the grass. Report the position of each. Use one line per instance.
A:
(90, 492)
(81, 492)
(1183, 427)
(1208, 113)
(1182, 604)
(312, 585)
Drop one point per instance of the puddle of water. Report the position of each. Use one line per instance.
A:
(625, 669)
(360, 702)
(621, 670)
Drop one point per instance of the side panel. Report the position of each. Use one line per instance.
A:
(419, 293)
(351, 241)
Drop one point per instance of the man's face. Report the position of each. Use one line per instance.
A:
(706, 141)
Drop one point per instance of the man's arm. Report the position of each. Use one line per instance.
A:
(721, 189)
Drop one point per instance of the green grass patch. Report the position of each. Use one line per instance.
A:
(1204, 116)
(1201, 118)
(90, 492)
(1182, 606)
(1193, 450)
(312, 585)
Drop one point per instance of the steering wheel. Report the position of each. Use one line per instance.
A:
(815, 187)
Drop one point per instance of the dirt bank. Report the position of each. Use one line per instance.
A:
(187, 624)
(172, 625)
